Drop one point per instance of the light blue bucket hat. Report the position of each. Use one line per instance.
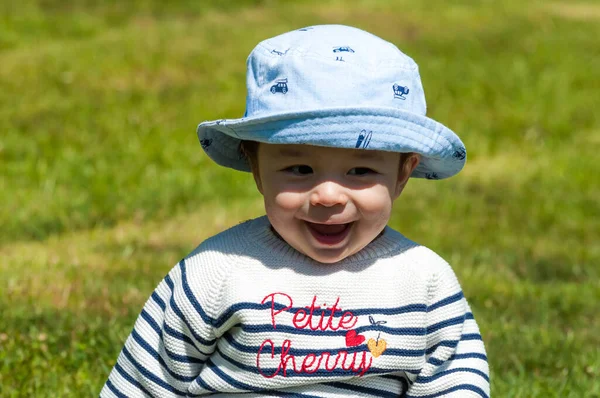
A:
(335, 86)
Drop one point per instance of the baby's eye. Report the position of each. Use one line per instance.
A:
(361, 171)
(300, 170)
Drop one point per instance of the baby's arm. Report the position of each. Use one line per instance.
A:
(171, 340)
(456, 359)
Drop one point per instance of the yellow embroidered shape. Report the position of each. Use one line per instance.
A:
(376, 347)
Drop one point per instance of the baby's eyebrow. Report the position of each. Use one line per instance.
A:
(368, 155)
(362, 155)
(290, 152)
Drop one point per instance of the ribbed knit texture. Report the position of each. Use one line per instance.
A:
(246, 313)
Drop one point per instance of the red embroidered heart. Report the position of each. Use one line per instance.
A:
(353, 339)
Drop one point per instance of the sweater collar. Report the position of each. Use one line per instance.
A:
(263, 238)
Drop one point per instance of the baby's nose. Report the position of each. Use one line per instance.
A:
(328, 194)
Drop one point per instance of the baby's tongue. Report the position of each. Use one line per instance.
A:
(332, 229)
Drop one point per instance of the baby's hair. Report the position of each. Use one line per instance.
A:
(250, 151)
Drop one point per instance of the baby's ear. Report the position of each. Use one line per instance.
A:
(408, 163)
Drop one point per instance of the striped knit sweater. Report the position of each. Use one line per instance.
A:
(246, 313)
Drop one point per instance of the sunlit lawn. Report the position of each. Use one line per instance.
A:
(104, 187)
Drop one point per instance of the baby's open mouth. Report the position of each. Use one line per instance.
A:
(329, 234)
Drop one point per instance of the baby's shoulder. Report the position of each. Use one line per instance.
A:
(204, 272)
(420, 256)
(231, 242)
(439, 274)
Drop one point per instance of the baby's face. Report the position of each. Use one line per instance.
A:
(328, 203)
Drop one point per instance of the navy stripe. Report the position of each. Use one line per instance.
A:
(471, 336)
(445, 323)
(263, 328)
(151, 376)
(435, 361)
(427, 379)
(184, 358)
(448, 300)
(469, 355)
(468, 387)
(439, 362)
(287, 394)
(169, 282)
(231, 311)
(179, 313)
(231, 381)
(190, 295)
(469, 315)
(144, 344)
(292, 351)
(205, 385)
(182, 337)
(158, 300)
(148, 318)
(114, 390)
(176, 335)
(130, 379)
(407, 309)
(364, 390)
(453, 343)
(445, 343)
(238, 384)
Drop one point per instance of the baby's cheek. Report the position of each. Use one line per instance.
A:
(375, 204)
(288, 201)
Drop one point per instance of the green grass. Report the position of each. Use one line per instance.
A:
(104, 187)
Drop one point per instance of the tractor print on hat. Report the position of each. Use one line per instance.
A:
(400, 91)
(460, 154)
(277, 52)
(206, 142)
(342, 49)
(280, 86)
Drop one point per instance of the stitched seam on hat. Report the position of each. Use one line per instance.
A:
(408, 139)
(371, 122)
(307, 54)
(267, 51)
(232, 130)
(405, 137)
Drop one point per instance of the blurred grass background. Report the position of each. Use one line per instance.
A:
(103, 186)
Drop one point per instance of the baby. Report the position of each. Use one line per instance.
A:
(319, 298)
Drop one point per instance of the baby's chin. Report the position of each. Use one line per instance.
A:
(331, 256)
(327, 260)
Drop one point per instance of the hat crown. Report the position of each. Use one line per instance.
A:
(340, 87)
(330, 66)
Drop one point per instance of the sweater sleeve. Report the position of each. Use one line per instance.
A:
(456, 362)
(170, 342)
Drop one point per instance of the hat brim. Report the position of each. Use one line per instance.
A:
(385, 129)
